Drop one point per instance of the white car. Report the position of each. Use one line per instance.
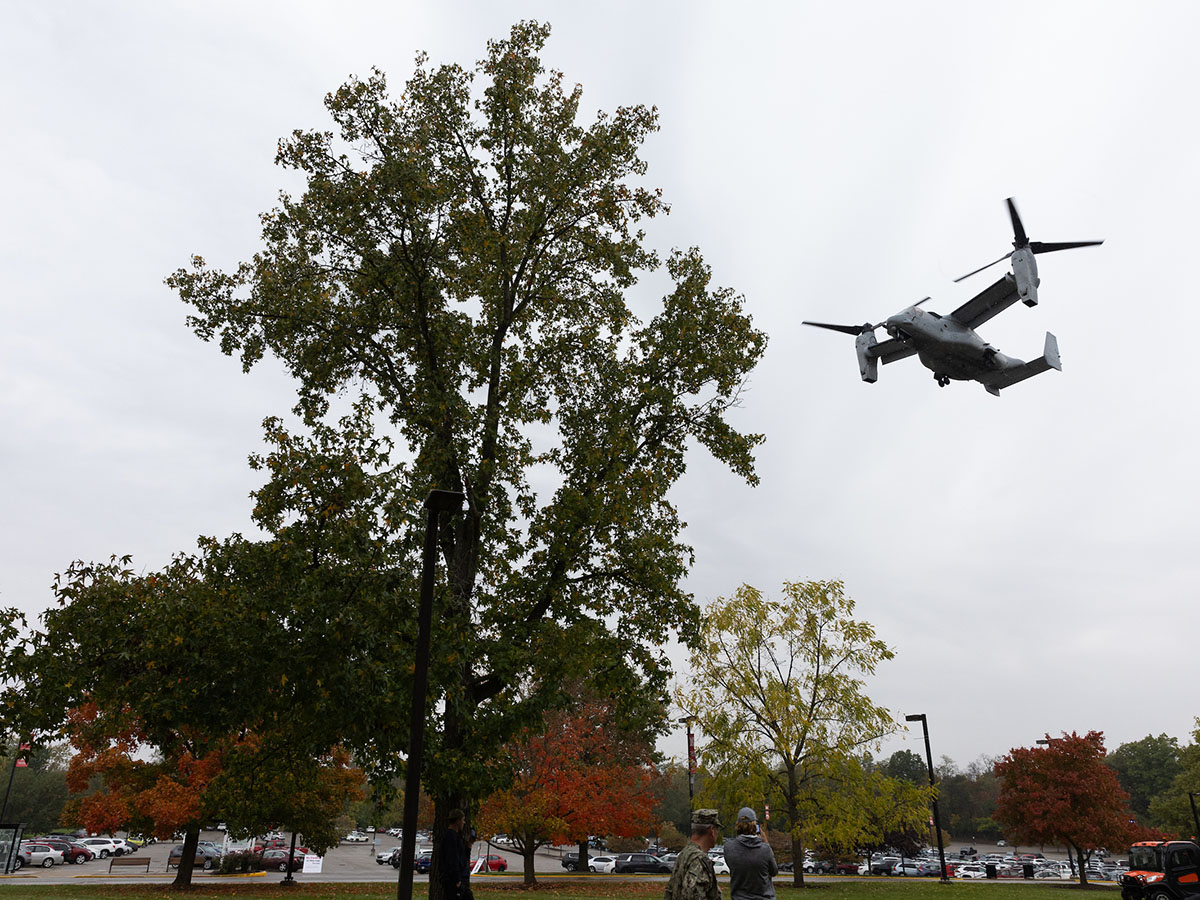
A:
(356, 837)
(720, 866)
(102, 847)
(970, 870)
(601, 863)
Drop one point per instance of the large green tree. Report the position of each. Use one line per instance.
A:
(1171, 808)
(1145, 769)
(464, 258)
(179, 688)
(780, 698)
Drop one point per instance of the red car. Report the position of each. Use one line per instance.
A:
(278, 859)
(494, 863)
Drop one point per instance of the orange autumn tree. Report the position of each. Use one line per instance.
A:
(1063, 793)
(579, 776)
(254, 779)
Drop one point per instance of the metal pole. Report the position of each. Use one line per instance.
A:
(1195, 818)
(937, 821)
(687, 720)
(435, 503)
(7, 790)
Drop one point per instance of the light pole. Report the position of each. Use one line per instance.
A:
(436, 503)
(1195, 818)
(937, 821)
(687, 720)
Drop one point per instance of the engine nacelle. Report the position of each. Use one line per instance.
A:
(868, 363)
(1024, 267)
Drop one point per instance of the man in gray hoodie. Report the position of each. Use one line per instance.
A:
(751, 862)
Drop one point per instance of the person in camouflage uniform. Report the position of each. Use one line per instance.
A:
(693, 877)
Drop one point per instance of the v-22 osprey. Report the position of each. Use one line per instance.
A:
(948, 345)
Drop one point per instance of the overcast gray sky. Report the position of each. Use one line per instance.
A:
(1032, 558)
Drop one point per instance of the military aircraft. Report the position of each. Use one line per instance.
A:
(948, 345)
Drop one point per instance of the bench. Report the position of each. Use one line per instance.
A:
(123, 861)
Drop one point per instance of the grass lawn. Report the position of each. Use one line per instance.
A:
(830, 889)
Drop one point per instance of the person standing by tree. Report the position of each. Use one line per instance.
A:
(693, 877)
(751, 862)
(455, 868)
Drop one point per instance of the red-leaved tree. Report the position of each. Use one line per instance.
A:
(579, 776)
(1063, 792)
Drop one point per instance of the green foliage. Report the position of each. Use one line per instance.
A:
(37, 793)
(907, 766)
(1171, 810)
(1145, 769)
(967, 800)
(460, 260)
(780, 697)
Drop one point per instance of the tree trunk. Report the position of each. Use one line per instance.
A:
(1082, 867)
(797, 844)
(527, 854)
(583, 857)
(187, 859)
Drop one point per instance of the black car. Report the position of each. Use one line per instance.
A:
(639, 862)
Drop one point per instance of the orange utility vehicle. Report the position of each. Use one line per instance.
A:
(1162, 870)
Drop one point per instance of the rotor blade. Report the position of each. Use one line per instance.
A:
(981, 268)
(1050, 247)
(1019, 237)
(919, 302)
(844, 329)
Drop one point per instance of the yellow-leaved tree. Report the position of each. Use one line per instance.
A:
(778, 692)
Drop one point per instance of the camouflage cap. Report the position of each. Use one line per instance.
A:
(706, 817)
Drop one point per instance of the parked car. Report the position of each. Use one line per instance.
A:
(639, 862)
(883, 865)
(33, 853)
(385, 857)
(970, 870)
(423, 863)
(601, 863)
(907, 867)
(278, 859)
(494, 863)
(209, 856)
(720, 867)
(103, 847)
(72, 852)
(356, 837)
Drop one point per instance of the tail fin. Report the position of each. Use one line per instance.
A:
(1007, 377)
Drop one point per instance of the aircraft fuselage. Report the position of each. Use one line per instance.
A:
(947, 347)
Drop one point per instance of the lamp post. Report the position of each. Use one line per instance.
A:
(1195, 818)
(436, 503)
(937, 821)
(687, 720)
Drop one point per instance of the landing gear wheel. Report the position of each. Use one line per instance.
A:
(942, 380)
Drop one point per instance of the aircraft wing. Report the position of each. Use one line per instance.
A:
(990, 302)
(893, 349)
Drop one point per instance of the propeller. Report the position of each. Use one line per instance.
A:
(844, 329)
(1021, 240)
(855, 329)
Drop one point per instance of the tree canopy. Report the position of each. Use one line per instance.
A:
(462, 260)
(781, 701)
(581, 774)
(1145, 769)
(1064, 793)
